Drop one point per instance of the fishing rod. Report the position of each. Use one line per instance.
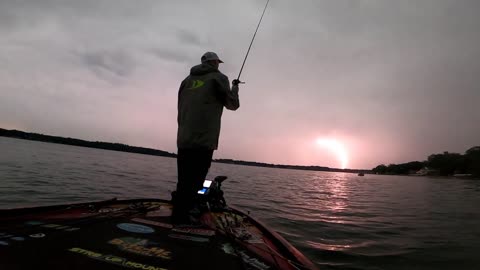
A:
(249, 47)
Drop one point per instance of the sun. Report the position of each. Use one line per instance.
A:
(337, 148)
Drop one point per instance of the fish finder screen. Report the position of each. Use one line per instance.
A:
(202, 191)
(207, 183)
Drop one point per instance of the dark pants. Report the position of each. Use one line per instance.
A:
(192, 166)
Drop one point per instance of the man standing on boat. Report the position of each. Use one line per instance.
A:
(201, 98)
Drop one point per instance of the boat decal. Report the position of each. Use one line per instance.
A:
(114, 259)
(51, 226)
(153, 204)
(5, 235)
(247, 259)
(108, 210)
(60, 227)
(37, 235)
(228, 249)
(255, 241)
(140, 246)
(188, 238)
(245, 235)
(105, 210)
(71, 229)
(196, 231)
(226, 220)
(162, 212)
(254, 262)
(34, 223)
(135, 228)
(153, 223)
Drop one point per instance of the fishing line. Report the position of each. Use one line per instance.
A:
(249, 47)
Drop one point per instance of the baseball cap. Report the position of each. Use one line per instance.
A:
(210, 56)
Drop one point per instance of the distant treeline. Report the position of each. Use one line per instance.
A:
(148, 151)
(294, 167)
(77, 142)
(445, 164)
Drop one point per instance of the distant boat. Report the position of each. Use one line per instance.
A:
(361, 174)
(424, 172)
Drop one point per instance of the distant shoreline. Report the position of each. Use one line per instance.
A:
(149, 151)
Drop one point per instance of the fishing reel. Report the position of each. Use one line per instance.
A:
(237, 82)
(210, 196)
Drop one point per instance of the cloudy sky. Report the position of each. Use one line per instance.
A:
(391, 81)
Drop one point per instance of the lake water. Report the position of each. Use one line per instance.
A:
(339, 220)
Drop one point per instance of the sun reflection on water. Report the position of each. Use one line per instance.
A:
(330, 200)
(338, 200)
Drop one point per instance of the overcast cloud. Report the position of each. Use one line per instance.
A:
(394, 81)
